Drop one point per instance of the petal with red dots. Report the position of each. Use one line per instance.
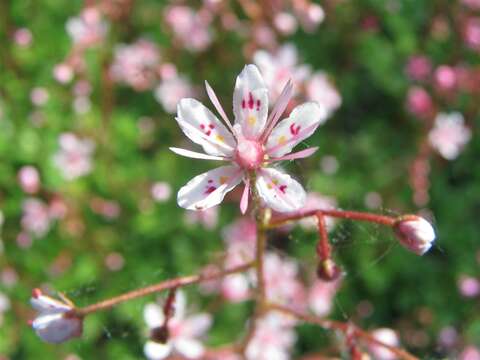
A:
(280, 191)
(302, 123)
(204, 128)
(208, 189)
(250, 102)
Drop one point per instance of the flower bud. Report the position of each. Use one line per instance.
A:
(56, 321)
(160, 334)
(414, 233)
(328, 271)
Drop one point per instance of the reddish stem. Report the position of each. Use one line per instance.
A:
(347, 328)
(323, 246)
(164, 285)
(344, 214)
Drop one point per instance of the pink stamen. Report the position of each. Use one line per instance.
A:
(278, 109)
(296, 155)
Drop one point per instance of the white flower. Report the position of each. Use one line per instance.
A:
(320, 89)
(449, 134)
(74, 156)
(253, 143)
(56, 321)
(183, 331)
(415, 233)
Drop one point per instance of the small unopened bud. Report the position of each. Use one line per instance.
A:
(327, 270)
(56, 320)
(160, 334)
(414, 233)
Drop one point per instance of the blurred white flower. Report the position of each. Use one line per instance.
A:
(183, 331)
(73, 159)
(318, 201)
(449, 134)
(161, 191)
(321, 295)
(36, 217)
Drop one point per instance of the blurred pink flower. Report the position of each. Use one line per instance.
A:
(39, 96)
(207, 218)
(470, 353)
(310, 16)
(282, 283)
(279, 67)
(36, 217)
(171, 90)
(109, 209)
(473, 4)
(184, 331)
(418, 68)
(63, 73)
(73, 159)
(321, 295)
(472, 33)
(449, 134)
(136, 64)
(419, 102)
(445, 78)
(29, 179)
(23, 37)
(189, 27)
(88, 28)
(469, 286)
(273, 338)
(320, 89)
(386, 336)
(161, 191)
(285, 23)
(318, 201)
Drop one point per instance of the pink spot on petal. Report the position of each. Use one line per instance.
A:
(282, 188)
(202, 126)
(208, 133)
(250, 100)
(258, 105)
(211, 126)
(294, 130)
(210, 189)
(210, 181)
(243, 104)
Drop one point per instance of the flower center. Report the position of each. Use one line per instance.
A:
(249, 154)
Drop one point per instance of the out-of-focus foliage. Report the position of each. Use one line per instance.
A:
(100, 231)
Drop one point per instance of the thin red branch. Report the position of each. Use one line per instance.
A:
(164, 285)
(344, 214)
(346, 328)
(323, 246)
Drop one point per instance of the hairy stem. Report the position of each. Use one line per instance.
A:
(346, 328)
(164, 285)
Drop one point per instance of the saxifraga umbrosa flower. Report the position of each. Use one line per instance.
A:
(251, 145)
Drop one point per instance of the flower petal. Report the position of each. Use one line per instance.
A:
(250, 102)
(302, 122)
(280, 191)
(153, 315)
(296, 155)
(195, 155)
(198, 324)
(203, 128)
(189, 348)
(209, 189)
(48, 305)
(55, 328)
(157, 351)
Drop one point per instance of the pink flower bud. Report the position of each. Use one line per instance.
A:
(419, 102)
(445, 77)
(56, 321)
(414, 233)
